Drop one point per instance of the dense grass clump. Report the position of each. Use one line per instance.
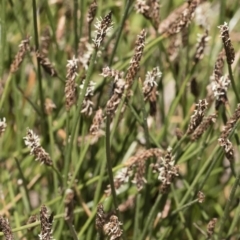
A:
(119, 119)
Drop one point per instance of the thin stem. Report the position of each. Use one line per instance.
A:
(109, 162)
(150, 217)
(3, 36)
(72, 230)
(125, 14)
(40, 88)
(75, 22)
(226, 210)
(144, 113)
(233, 83)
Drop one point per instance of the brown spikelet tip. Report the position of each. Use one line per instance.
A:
(201, 197)
(69, 204)
(231, 123)
(32, 141)
(211, 227)
(219, 64)
(202, 42)
(230, 53)
(70, 87)
(204, 125)
(116, 91)
(45, 41)
(87, 106)
(3, 126)
(198, 115)
(49, 106)
(183, 19)
(135, 61)
(113, 228)
(31, 219)
(228, 148)
(97, 122)
(24, 47)
(92, 12)
(150, 89)
(5, 228)
(46, 64)
(166, 169)
(102, 28)
(46, 224)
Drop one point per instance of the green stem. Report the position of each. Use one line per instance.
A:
(125, 14)
(75, 22)
(109, 162)
(40, 88)
(226, 210)
(3, 36)
(72, 230)
(233, 82)
(150, 217)
(144, 113)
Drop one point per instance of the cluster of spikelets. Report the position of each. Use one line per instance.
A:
(135, 168)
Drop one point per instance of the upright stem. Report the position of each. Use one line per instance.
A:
(229, 202)
(3, 35)
(75, 19)
(233, 83)
(129, 2)
(40, 88)
(109, 163)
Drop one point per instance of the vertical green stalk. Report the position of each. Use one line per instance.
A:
(40, 88)
(229, 202)
(150, 217)
(233, 82)
(3, 36)
(137, 218)
(77, 113)
(75, 22)
(144, 113)
(109, 162)
(129, 2)
(81, 18)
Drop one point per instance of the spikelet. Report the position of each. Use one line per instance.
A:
(46, 224)
(135, 61)
(198, 115)
(3, 126)
(24, 47)
(92, 12)
(230, 54)
(211, 227)
(102, 28)
(5, 228)
(32, 141)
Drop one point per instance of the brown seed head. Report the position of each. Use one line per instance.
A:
(228, 148)
(198, 115)
(211, 227)
(45, 41)
(23, 48)
(32, 141)
(70, 87)
(49, 106)
(97, 121)
(102, 28)
(201, 197)
(113, 228)
(135, 61)
(230, 54)
(202, 41)
(204, 125)
(3, 126)
(46, 224)
(69, 204)
(150, 89)
(5, 228)
(46, 64)
(92, 12)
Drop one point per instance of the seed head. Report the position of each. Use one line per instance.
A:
(230, 54)
(32, 141)
(46, 224)
(3, 126)
(198, 115)
(211, 227)
(102, 28)
(5, 228)
(92, 12)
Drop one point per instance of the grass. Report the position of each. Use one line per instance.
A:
(130, 140)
